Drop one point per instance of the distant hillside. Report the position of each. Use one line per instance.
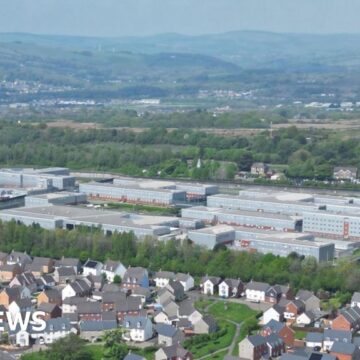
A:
(252, 49)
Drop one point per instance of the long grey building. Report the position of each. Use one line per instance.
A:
(70, 217)
(211, 236)
(55, 198)
(332, 225)
(263, 220)
(48, 178)
(132, 193)
(284, 247)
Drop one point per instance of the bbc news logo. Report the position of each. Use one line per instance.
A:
(21, 321)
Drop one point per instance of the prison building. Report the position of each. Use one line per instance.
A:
(70, 217)
(258, 204)
(56, 198)
(194, 191)
(332, 225)
(50, 178)
(190, 224)
(284, 247)
(252, 219)
(132, 194)
(212, 236)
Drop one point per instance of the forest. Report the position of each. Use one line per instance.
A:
(341, 278)
(304, 154)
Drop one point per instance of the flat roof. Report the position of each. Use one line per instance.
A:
(132, 186)
(264, 199)
(217, 229)
(56, 195)
(303, 243)
(258, 214)
(97, 216)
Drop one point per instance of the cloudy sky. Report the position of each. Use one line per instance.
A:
(147, 17)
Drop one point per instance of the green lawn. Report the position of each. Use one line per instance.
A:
(300, 335)
(202, 304)
(97, 352)
(207, 346)
(231, 311)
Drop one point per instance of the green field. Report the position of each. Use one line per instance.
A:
(208, 346)
(202, 304)
(231, 311)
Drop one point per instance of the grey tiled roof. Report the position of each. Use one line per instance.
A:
(343, 348)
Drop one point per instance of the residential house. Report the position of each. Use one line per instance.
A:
(15, 257)
(92, 267)
(345, 172)
(46, 281)
(168, 335)
(209, 285)
(332, 336)
(314, 340)
(347, 320)
(137, 328)
(69, 262)
(55, 330)
(50, 296)
(131, 307)
(205, 325)
(91, 330)
(70, 304)
(186, 280)
(20, 306)
(273, 294)
(164, 295)
(231, 288)
(285, 332)
(345, 351)
(176, 289)
(40, 266)
(64, 275)
(355, 300)
(97, 281)
(256, 291)
(51, 311)
(8, 272)
(259, 168)
(110, 299)
(79, 287)
(253, 347)
(308, 318)
(162, 278)
(173, 352)
(135, 277)
(89, 310)
(113, 268)
(143, 293)
(275, 345)
(293, 308)
(276, 313)
(26, 279)
(311, 301)
(8, 295)
(187, 310)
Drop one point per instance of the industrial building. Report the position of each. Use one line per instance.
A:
(194, 191)
(48, 178)
(212, 236)
(284, 247)
(266, 204)
(10, 198)
(262, 220)
(55, 198)
(69, 217)
(332, 225)
(132, 193)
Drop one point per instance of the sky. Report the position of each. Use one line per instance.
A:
(192, 17)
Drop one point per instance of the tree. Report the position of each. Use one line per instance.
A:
(70, 347)
(117, 279)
